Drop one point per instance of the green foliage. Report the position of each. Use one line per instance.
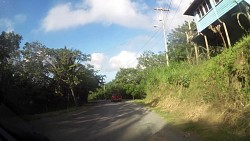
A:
(174, 76)
(128, 82)
(149, 60)
(40, 79)
(222, 82)
(227, 73)
(9, 45)
(179, 49)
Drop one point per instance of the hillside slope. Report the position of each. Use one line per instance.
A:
(211, 99)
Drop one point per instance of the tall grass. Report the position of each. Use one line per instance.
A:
(220, 85)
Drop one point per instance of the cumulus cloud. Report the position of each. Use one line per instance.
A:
(124, 59)
(98, 60)
(63, 16)
(126, 13)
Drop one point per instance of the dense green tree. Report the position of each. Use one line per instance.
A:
(9, 45)
(90, 80)
(131, 81)
(38, 79)
(33, 63)
(179, 48)
(65, 66)
(150, 59)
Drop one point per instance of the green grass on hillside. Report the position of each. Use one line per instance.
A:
(213, 98)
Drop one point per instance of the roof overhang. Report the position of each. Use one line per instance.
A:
(193, 6)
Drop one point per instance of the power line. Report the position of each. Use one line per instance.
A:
(151, 38)
(176, 11)
(170, 4)
(148, 41)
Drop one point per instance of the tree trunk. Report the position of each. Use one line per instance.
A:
(207, 47)
(188, 56)
(73, 95)
(196, 53)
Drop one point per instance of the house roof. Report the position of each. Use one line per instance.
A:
(193, 6)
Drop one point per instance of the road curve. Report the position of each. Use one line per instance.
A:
(108, 121)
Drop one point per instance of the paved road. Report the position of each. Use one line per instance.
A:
(106, 121)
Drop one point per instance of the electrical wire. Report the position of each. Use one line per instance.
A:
(169, 5)
(149, 39)
(153, 36)
(176, 11)
(144, 45)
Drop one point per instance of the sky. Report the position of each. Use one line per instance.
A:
(113, 32)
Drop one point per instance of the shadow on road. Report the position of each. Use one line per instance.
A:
(106, 121)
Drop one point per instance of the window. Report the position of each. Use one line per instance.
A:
(204, 8)
(199, 13)
(208, 4)
(202, 11)
(217, 1)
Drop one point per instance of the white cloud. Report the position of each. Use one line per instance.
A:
(129, 54)
(122, 12)
(97, 59)
(124, 59)
(62, 16)
(6, 25)
(110, 66)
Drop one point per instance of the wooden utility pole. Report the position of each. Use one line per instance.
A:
(164, 31)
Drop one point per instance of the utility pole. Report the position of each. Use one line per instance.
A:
(164, 30)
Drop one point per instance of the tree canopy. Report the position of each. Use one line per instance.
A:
(39, 79)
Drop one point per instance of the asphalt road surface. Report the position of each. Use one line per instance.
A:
(108, 121)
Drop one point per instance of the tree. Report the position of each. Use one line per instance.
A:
(180, 50)
(149, 60)
(36, 78)
(9, 45)
(33, 63)
(130, 80)
(68, 70)
(90, 80)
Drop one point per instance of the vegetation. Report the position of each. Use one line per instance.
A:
(211, 97)
(39, 79)
(208, 97)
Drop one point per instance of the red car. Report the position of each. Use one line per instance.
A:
(116, 97)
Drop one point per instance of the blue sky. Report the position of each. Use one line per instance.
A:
(114, 32)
